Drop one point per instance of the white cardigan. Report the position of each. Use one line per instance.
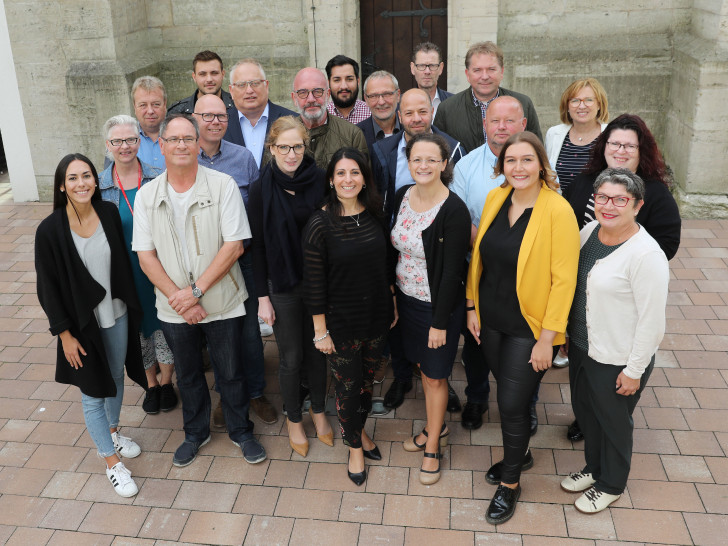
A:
(555, 139)
(626, 295)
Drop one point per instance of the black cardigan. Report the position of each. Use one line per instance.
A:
(68, 294)
(659, 215)
(446, 242)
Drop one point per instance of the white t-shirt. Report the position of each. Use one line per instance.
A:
(233, 225)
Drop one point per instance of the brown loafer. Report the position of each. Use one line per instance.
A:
(264, 409)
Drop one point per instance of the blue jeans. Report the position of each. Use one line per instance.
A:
(254, 368)
(224, 345)
(102, 414)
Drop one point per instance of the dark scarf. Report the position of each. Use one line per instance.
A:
(283, 239)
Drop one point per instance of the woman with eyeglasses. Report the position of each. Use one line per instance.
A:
(627, 143)
(431, 234)
(584, 113)
(281, 201)
(86, 288)
(119, 184)
(616, 324)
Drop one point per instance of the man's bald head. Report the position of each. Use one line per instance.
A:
(503, 118)
(209, 109)
(308, 83)
(415, 112)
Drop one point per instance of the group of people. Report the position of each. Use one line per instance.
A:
(362, 231)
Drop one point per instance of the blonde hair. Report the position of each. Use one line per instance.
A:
(546, 175)
(283, 124)
(574, 88)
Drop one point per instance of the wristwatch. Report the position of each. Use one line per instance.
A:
(196, 292)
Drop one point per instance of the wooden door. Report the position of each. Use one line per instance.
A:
(390, 29)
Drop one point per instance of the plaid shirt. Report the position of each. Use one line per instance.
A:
(483, 106)
(359, 113)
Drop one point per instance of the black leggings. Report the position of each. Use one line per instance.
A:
(354, 364)
(507, 357)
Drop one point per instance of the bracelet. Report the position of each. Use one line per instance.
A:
(317, 339)
(471, 308)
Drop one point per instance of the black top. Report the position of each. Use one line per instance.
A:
(69, 294)
(446, 242)
(571, 161)
(277, 219)
(592, 251)
(499, 249)
(345, 275)
(659, 214)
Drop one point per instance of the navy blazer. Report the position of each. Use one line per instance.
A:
(384, 165)
(367, 128)
(443, 94)
(234, 133)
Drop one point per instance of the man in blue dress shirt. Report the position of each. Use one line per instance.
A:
(150, 107)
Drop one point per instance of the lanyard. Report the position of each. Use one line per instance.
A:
(121, 187)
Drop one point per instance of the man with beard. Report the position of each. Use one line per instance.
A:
(328, 133)
(343, 75)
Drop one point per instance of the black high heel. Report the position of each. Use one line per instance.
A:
(374, 454)
(357, 477)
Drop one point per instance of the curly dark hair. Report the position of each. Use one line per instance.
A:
(368, 197)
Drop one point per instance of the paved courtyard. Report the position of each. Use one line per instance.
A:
(53, 489)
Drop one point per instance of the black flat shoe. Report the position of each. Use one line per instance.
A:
(357, 477)
(503, 505)
(534, 420)
(395, 395)
(495, 472)
(373, 454)
(472, 417)
(453, 402)
(574, 432)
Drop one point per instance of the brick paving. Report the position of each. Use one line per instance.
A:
(53, 489)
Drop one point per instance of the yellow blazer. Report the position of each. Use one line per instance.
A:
(547, 261)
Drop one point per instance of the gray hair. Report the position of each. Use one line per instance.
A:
(117, 121)
(381, 74)
(632, 183)
(247, 60)
(148, 83)
(170, 117)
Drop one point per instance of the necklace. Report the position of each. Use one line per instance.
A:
(355, 219)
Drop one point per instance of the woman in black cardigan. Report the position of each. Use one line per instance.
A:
(431, 233)
(627, 143)
(290, 188)
(86, 289)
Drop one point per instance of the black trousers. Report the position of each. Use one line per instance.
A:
(507, 357)
(605, 418)
(354, 364)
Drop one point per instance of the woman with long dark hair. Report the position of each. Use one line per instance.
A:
(347, 292)
(86, 289)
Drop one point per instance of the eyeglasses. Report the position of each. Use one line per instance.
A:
(429, 162)
(618, 200)
(376, 96)
(317, 93)
(422, 67)
(207, 116)
(285, 148)
(629, 148)
(116, 142)
(176, 140)
(587, 102)
(254, 84)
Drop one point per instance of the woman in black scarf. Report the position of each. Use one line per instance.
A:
(289, 190)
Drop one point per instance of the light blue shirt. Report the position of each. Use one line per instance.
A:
(472, 180)
(149, 151)
(254, 136)
(403, 174)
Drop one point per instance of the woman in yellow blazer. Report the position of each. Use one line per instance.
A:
(520, 286)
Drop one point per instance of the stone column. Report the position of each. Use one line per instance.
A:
(333, 29)
(696, 139)
(468, 22)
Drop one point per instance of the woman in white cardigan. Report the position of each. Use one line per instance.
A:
(584, 114)
(616, 324)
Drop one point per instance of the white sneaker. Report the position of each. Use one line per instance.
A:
(126, 447)
(120, 478)
(265, 328)
(594, 501)
(577, 482)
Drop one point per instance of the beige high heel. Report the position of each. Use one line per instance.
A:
(328, 439)
(301, 449)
